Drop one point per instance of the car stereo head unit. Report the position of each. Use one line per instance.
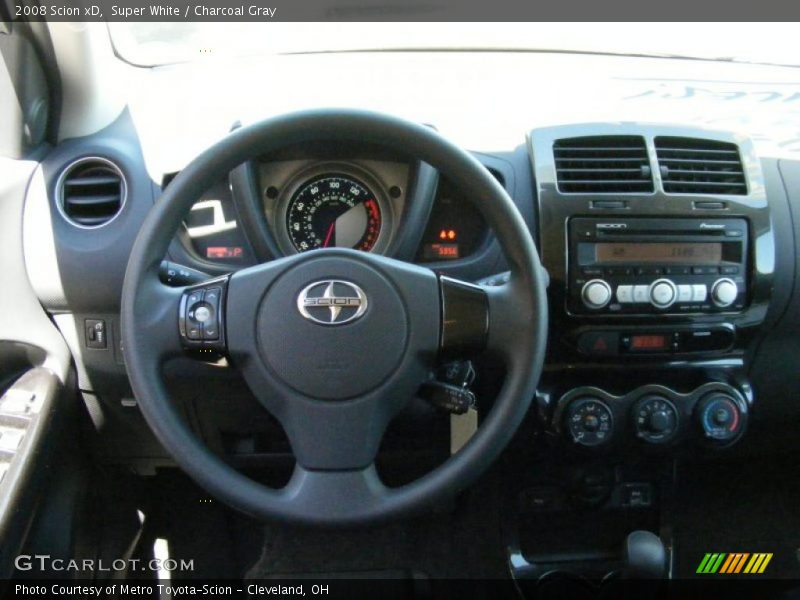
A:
(657, 266)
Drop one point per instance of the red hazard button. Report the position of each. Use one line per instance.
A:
(599, 343)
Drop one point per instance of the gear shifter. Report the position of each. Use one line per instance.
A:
(644, 556)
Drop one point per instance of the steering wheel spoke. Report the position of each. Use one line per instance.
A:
(157, 321)
(329, 436)
(344, 493)
(517, 324)
(465, 318)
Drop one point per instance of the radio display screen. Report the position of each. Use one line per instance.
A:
(659, 252)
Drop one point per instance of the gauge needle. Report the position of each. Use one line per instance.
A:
(329, 234)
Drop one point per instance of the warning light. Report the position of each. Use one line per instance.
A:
(448, 234)
(224, 252)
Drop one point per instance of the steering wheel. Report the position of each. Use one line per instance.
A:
(335, 342)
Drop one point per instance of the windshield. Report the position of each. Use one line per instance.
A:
(149, 44)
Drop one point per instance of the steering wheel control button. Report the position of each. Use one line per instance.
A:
(200, 317)
(656, 419)
(663, 293)
(596, 293)
(589, 422)
(202, 314)
(724, 292)
(720, 417)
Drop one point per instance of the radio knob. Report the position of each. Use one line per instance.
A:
(663, 293)
(724, 292)
(596, 293)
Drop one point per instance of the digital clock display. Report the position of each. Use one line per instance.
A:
(649, 342)
(659, 252)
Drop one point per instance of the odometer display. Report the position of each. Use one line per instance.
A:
(333, 211)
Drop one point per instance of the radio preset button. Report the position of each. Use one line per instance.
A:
(625, 294)
(724, 292)
(684, 293)
(596, 293)
(641, 294)
(699, 293)
(662, 293)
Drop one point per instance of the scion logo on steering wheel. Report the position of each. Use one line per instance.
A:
(332, 302)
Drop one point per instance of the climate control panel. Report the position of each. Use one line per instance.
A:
(714, 414)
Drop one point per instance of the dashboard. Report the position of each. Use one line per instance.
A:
(669, 251)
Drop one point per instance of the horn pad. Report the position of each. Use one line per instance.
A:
(332, 328)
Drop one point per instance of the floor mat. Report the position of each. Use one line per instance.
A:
(461, 542)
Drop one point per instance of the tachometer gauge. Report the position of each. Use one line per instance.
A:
(333, 211)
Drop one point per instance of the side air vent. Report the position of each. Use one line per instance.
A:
(602, 164)
(696, 166)
(91, 192)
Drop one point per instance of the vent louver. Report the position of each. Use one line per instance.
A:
(91, 192)
(603, 164)
(697, 166)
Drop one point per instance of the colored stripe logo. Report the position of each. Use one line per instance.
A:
(734, 563)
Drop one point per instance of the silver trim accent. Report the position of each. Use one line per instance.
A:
(304, 175)
(59, 190)
(584, 290)
(333, 302)
(218, 226)
(717, 283)
(671, 285)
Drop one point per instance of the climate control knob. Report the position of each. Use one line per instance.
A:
(596, 293)
(655, 419)
(724, 292)
(721, 417)
(589, 421)
(663, 293)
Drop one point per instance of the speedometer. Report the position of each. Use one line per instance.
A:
(333, 211)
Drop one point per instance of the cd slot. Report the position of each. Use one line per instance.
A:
(658, 232)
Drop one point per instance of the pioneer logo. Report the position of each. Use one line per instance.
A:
(712, 226)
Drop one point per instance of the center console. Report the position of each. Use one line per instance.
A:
(660, 250)
(659, 246)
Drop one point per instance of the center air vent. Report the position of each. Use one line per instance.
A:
(91, 192)
(603, 164)
(695, 166)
